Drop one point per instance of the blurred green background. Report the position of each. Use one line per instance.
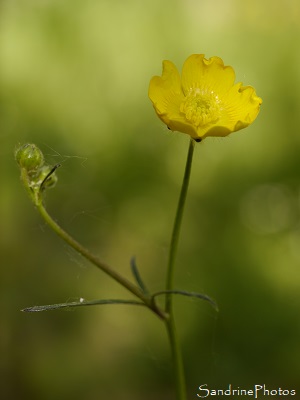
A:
(73, 79)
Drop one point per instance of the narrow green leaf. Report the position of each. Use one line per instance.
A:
(137, 276)
(189, 294)
(80, 303)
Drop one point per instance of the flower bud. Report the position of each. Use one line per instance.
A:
(29, 157)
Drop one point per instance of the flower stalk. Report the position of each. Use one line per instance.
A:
(177, 226)
(170, 322)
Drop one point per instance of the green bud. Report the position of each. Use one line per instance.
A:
(29, 157)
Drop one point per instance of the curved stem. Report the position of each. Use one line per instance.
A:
(170, 322)
(84, 252)
(35, 191)
(146, 299)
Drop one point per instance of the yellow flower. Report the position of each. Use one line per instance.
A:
(204, 101)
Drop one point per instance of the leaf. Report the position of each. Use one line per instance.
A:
(80, 303)
(137, 276)
(189, 294)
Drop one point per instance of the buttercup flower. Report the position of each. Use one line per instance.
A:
(204, 101)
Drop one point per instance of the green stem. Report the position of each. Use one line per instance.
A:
(85, 253)
(177, 225)
(36, 194)
(177, 360)
(170, 322)
(149, 302)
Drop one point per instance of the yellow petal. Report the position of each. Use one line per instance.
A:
(176, 121)
(163, 88)
(242, 103)
(240, 108)
(209, 75)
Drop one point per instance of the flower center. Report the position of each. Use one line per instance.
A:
(201, 107)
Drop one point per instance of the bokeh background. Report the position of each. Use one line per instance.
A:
(73, 79)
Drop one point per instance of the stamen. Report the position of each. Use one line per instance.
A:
(201, 107)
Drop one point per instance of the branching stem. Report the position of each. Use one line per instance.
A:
(35, 189)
